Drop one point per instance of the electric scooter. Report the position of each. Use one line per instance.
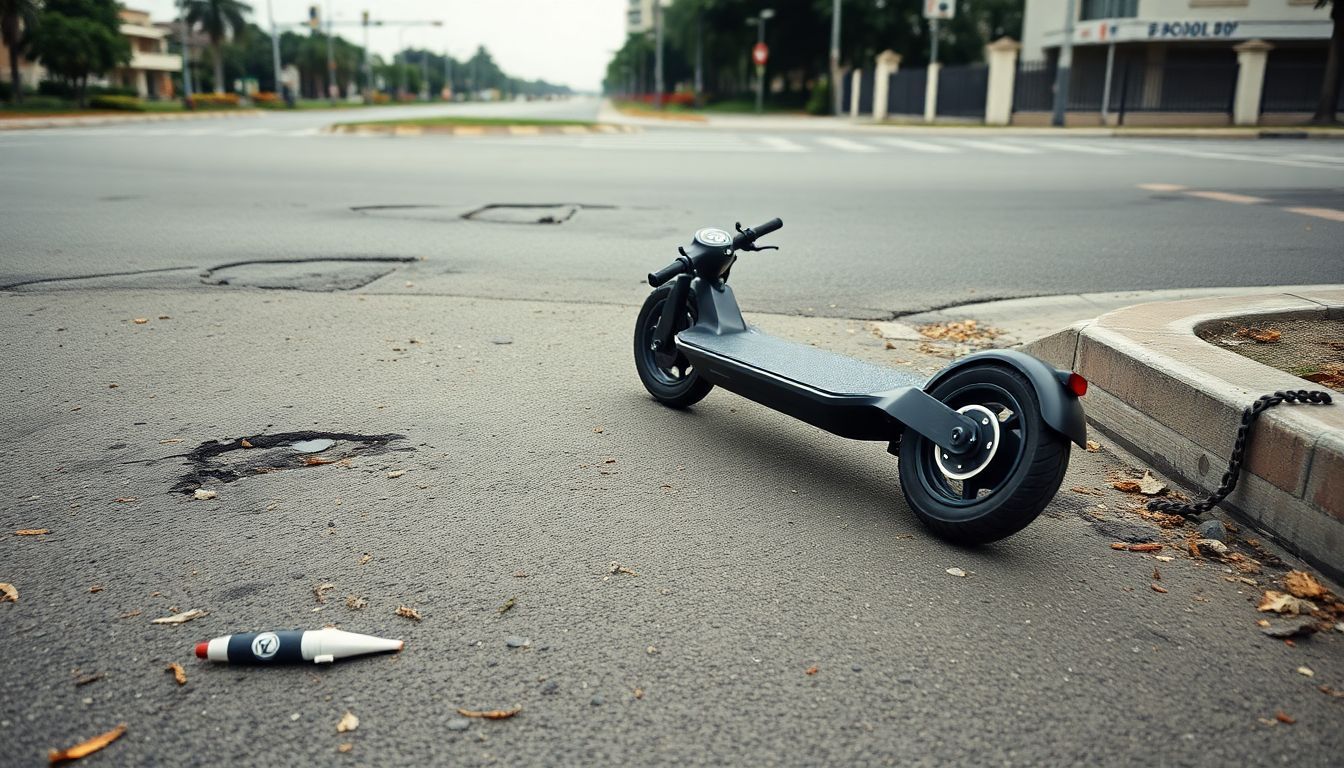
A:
(982, 446)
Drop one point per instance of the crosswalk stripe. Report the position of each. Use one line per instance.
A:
(1007, 149)
(1184, 152)
(251, 132)
(1320, 158)
(917, 146)
(781, 144)
(845, 144)
(1076, 146)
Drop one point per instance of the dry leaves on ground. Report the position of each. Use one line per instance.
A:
(1329, 374)
(407, 612)
(616, 567)
(1278, 602)
(1284, 718)
(959, 573)
(203, 495)
(355, 602)
(1146, 485)
(180, 618)
(348, 723)
(1158, 588)
(317, 461)
(179, 674)
(1259, 335)
(1093, 446)
(344, 748)
(963, 331)
(1303, 584)
(320, 592)
(8, 592)
(812, 670)
(32, 532)
(366, 559)
(395, 474)
(507, 606)
(86, 748)
(490, 714)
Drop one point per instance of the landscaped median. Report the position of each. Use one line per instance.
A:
(476, 126)
(1165, 393)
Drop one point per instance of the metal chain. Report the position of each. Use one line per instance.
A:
(1248, 418)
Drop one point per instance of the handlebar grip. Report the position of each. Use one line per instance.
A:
(768, 227)
(666, 273)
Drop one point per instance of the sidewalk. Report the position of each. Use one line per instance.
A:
(1164, 393)
(75, 121)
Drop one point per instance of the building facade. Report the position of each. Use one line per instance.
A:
(639, 17)
(149, 73)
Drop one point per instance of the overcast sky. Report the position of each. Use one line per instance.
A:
(563, 41)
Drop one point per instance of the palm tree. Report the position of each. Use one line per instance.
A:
(221, 20)
(17, 17)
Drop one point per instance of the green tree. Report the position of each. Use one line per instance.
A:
(1328, 106)
(17, 19)
(78, 38)
(221, 21)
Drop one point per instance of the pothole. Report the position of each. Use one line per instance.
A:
(317, 275)
(227, 462)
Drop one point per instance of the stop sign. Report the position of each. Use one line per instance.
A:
(760, 53)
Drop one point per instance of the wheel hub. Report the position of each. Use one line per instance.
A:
(986, 441)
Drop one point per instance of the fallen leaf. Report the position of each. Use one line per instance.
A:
(1328, 691)
(348, 722)
(8, 592)
(95, 588)
(964, 331)
(1279, 602)
(317, 461)
(203, 495)
(520, 574)
(1303, 584)
(616, 567)
(320, 592)
(1150, 486)
(956, 572)
(1259, 335)
(812, 670)
(1158, 588)
(355, 602)
(490, 714)
(1093, 446)
(33, 532)
(344, 748)
(639, 693)
(651, 650)
(95, 677)
(131, 614)
(1284, 718)
(179, 674)
(396, 474)
(1210, 547)
(180, 618)
(507, 606)
(86, 748)
(407, 612)
(1305, 672)
(140, 320)
(125, 499)
(1148, 547)
(245, 443)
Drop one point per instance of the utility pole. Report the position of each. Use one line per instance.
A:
(700, 57)
(658, 55)
(759, 21)
(1062, 69)
(837, 98)
(368, 70)
(447, 74)
(933, 37)
(275, 44)
(186, 56)
(424, 75)
(331, 60)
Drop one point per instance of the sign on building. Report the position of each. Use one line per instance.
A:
(940, 9)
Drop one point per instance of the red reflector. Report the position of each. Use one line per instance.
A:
(1077, 385)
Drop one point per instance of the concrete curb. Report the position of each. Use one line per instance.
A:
(1175, 401)
(24, 123)
(369, 129)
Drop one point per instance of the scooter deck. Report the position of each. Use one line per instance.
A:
(806, 365)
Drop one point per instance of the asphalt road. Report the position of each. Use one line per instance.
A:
(787, 608)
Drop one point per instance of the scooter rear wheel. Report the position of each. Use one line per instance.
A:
(680, 385)
(1010, 490)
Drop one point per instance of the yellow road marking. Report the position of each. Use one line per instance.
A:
(1228, 197)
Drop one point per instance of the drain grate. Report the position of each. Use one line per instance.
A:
(234, 460)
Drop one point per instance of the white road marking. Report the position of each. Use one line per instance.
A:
(917, 146)
(1082, 146)
(781, 144)
(845, 144)
(1321, 213)
(1227, 197)
(990, 146)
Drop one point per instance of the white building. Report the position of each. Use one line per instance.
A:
(639, 17)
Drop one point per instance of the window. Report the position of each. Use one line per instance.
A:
(1109, 9)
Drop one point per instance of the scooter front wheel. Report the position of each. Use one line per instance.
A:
(679, 385)
(979, 504)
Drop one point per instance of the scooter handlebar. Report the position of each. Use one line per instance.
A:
(666, 273)
(750, 234)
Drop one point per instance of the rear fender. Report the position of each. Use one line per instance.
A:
(1059, 407)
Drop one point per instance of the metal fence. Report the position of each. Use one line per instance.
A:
(1034, 87)
(1197, 86)
(962, 90)
(905, 92)
(1293, 84)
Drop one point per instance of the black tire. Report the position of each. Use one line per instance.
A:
(1020, 479)
(681, 385)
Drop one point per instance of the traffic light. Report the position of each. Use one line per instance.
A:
(314, 21)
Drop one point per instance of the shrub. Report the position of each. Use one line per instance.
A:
(819, 102)
(213, 101)
(267, 99)
(65, 90)
(126, 103)
(46, 102)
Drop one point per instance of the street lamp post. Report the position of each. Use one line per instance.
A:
(1062, 69)
(331, 60)
(837, 98)
(658, 54)
(275, 44)
(759, 21)
(186, 55)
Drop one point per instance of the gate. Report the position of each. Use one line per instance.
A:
(905, 94)
(961, 90)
